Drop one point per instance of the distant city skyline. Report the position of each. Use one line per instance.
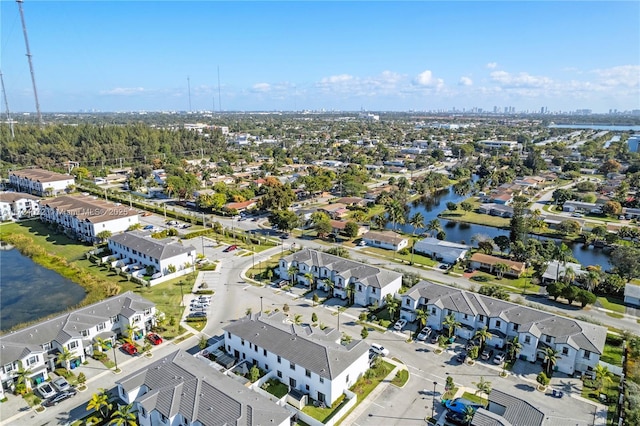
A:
(293, 56)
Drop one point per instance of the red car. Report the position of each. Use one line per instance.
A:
(154, 338)
(130, 348)
(231, 248)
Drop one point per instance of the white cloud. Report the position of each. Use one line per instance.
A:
(427, 79)
(342, 78)
(624, 75)
(123, 91)
(261, 87)
(465, 81)
(520, 80)
(492, 65)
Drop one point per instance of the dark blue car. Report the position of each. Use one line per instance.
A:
(458, 405)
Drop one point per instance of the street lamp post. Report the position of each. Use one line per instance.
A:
(433, 407)
(115, 359)
(260, 304)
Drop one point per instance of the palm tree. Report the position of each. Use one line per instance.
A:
(297, 319)
(102, 344)
(330, 285)
(514, 348)
(500, 269)
(569, 275)
(433, 227)
(483, 386)
(351, 289)
(64, 357)
(392, 306)
(422, 315)
(467, 414)
(593, 278)
(22, 377)
(603, 375)
(550, 359)
(124, 416)
(450, 323)
(562, 254)
(482, 335)
(292, 271)
(380, 221)
(100, 402)
(417, 221)
(131, 330)
(311, 280)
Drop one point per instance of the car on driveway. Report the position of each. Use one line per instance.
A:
(154, 338)
(197, 315)
(231, 248)
(130, 348)
(434, 338)
(379, 349)
(470, 344)
(455, 418)
(148, 228)
(61, 384)
(145, 214)
(458, 405)
(424, 333)
(59, 397)
(487, 354)
(46, 390)
(462, 356)
(399, 325)
(499, 358)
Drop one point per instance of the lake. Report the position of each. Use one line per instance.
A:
(459, 232)
(611, 128)
(29, 291)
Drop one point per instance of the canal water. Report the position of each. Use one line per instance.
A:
(29, 292)
(458, 232)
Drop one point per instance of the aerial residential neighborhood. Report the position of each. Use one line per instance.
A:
(320, 214)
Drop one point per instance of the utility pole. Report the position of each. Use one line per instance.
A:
(33, 76)
(189, 88)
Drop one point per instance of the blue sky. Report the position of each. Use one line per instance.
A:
(419, 55)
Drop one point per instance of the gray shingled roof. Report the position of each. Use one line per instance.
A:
(180, 383)
(154, 248)
(88, 208)
(578, 334)
(40, 175)
(361, 272)
(10, 197)
(316, 350)
(69, 325)
(516, 412)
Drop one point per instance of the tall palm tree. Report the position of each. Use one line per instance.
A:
(101, 344)
(297, 319)
(562, 254)
(433, 227)
(22, 377)
(593, 278)
(311, 280)
(100, 402)
(380, 221)
(483, 386)
(417, 221)
(550, 359)
(330, 285)
(421, 316)
(131, 330)
(450, 323)
(292, 271)
(124, 416)
(500, 269)
(467, 414)
(514, 348)
(603, 375)
(569, 275)
(482, 335)
(64, 357)
(351, 290)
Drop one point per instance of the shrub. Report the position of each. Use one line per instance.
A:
(405, 251)
(480, 278)
(543, 379)
(203, 292)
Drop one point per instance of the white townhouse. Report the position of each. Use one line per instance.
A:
(18, 205)
(493, 144)
(441, 250)
(307, 359)
(168, 256)
(388, 240)
(370, 284)
(84, 217)
(579, 344)
(40, 182)
(180, 389)
(36, 348)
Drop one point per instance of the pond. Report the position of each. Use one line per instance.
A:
(29, 291)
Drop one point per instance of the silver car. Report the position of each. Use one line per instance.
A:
(61, 384)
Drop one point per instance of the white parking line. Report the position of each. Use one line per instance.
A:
(423, 377)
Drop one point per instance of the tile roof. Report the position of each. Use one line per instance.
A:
(180, 383)
(88, 208)
(67, 326)
(165, 248)
(578, 334)
(316, 350)
(40, 175)
(361, 272)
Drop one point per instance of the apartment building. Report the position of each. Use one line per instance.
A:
(40, 182)
(179, 389)
(36, 348)
(578, 343)
(370, 285)
(307, 359)
(84, 217)
(18, 205)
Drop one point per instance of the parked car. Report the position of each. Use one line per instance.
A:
(379, 349)
(284, 236)
(197, 308)
(487, 354)
(59, 397)
(372, 357)
(46, 390)
(458, 405)
(462, 356)
(282, 283)
(444, 266)
(434, 338)
(424, 333)
(172, 222)
(204, 299)
(399, 325)
(455, 418)
(61, 384)
(255, 219)
(231, 248)
(199, 315)
(146, 214)
(130, 348)
(197, 303)
(499, 358)
(470, 344)
(362, 243)
(154, 338)
(148, 228)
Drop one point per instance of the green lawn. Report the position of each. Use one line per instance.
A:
(276, 388)
(402, 376)
(324, 414)
(511, 284)
(475, 218)
(613, 350)
(474, 398)
(51, 241)
(610, 389)
(612, 303)
(405, 258)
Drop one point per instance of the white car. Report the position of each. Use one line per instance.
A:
(61, 384)
(399, 325)
(424, 333)
(46, 390)
(379, 349)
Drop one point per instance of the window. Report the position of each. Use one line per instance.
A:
(84, 333)
(292, 366)
(359, 287)
(498, 324)
(408, 302)
(433, 311)
(264, 352)
(32, 360)
(515, 327)
(306, 387)
(228, 334)
(527, 339)
(8, 367)
(73, 345)
(547, 339)
(321, 397)
(242, 342)
(266, 367)
(321, 379)
(100, 327)
(279, 373)
(587, 354)
(255, 348)
(279, 359)
(292, 382)
(46, 346)
(373, 290)
(481, 318)
(466, 316)
(114, 319)
(307, 373)
(347, 378)
(565, 351)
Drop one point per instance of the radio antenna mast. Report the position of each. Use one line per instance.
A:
(6, 104)
(189, 89)
(33, 76)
